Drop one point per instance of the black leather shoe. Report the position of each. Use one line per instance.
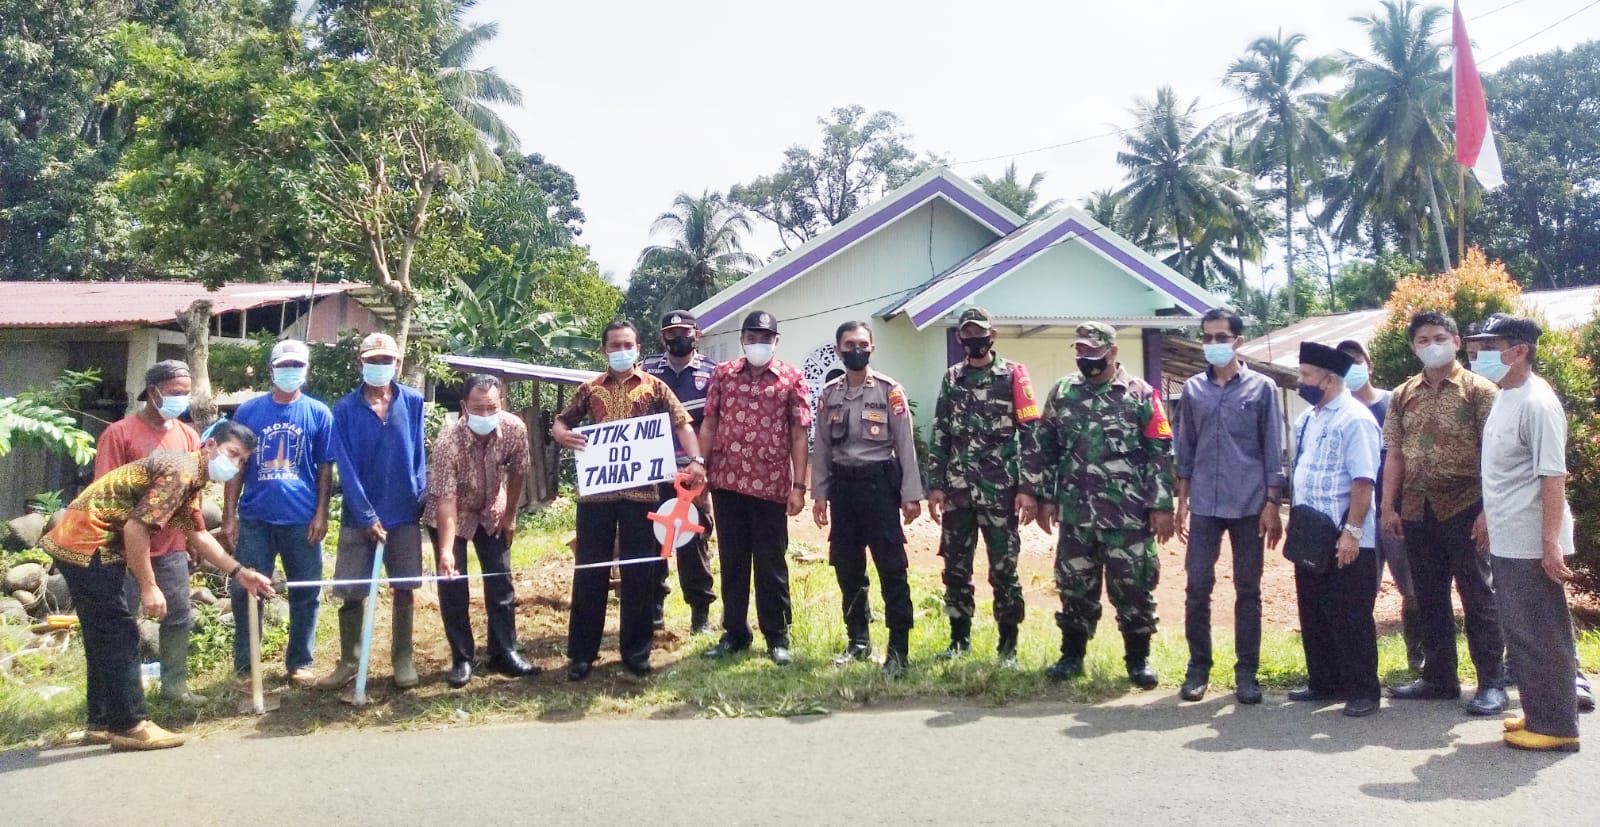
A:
(1488, 700)
(1422, 689)
(512, 665)
(1307, 693)
(1360, 708)
(699, 620)
(1585, 695)
(460, 673)
(894, 665)
(724, 649)
(578, 670)
(1143, 675)
(638, 668)
(1247, 691)
(780, 655)
(1064, 669)
(853, 653)
(1193, 689)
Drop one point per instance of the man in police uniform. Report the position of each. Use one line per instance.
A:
(1107, 449)
(865, 465)
(688, 373)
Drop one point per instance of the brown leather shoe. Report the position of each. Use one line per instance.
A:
(145, 736)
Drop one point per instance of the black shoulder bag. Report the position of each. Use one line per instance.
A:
(1312, 540)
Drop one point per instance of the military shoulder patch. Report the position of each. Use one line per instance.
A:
(897, 402)
(1024, 403)
(1159, 427)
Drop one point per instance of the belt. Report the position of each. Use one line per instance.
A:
(870, 471)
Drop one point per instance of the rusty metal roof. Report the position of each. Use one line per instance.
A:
(513, 369)
(107, 303)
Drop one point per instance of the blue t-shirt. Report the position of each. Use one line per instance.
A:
(292, 442)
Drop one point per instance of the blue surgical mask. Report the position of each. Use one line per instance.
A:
(482, 425)
(621, 360)
(173, 407)
(1490, 366)
(1357, 377)
(1312, 394)
(221, 469)
(377, 375)
(288, 380)
(1219, 355)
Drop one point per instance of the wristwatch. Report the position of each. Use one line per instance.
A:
(800, 486)
(1353, 530)
(701, 460)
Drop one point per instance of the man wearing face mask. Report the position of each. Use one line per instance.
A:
(1335, 467)
(618, 521)
(104, 535)
(278, 507)
(865, 469)
(474, 487)
(1230, 480)
(1107, 450)
(1432, 500)
(1391, 550)
(984, 472)
(1529, 533)
(156, 426)
(383, 472)
(688, 373)
(757, 414)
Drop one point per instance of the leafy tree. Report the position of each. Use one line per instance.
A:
(861, 157)
(1018, 197)
(23, 422)
(646, 299)
(1286, 121)
(470, 91)
(559, 187)
(704, 247)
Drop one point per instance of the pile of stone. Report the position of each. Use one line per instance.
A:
(30, 590)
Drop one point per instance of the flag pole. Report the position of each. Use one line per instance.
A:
(1461, 214)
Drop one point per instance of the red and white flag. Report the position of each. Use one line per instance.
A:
(1474, 138)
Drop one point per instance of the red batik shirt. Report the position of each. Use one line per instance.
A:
(756, 412)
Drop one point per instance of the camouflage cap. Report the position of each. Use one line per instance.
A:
(1096, 334)
(977, 316)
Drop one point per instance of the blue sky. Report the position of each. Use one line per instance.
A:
(641, 100)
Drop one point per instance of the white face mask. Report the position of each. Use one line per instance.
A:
(1437, 355)
(758, 355)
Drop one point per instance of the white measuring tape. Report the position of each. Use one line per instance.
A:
(435, 578)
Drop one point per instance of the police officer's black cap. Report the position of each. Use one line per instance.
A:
(1510, 328)
(1321, 356)
(679, 318)
(760, 320)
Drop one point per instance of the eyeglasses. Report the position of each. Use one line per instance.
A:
(1217, 338)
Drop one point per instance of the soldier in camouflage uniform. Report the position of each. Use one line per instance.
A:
(983, 473)
(1107, 452)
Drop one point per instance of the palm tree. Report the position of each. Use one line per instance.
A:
(1106, 207)
(1174, 184)
(705, 245)
(1286, 122)
(1017, 197)
(1394, 117)
(471, 91)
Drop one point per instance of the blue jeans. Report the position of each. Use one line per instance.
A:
(260, 544)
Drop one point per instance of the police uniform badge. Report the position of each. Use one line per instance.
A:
(701, 380)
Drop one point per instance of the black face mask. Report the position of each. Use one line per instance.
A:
(977, 348)
(1092, 367)
(680, 346)
(856, 359)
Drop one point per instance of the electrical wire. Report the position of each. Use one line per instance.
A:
(1075, 141)
(1540, 32)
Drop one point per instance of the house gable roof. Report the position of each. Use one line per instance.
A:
(1070, 225)
(936, 183)
(37, 304)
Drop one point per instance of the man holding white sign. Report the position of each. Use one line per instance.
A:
(626, 448)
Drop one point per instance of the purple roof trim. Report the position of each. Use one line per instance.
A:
(810, 258)
(1195, 303)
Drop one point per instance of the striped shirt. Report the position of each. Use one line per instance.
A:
(1338, 444)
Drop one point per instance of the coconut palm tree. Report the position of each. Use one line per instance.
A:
(1394, 119)
(1174, 184)
(1286, 124)
(1106, 207)
(470, 91)
(705, 245)
(1016, 196)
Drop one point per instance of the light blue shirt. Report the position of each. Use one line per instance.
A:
(1338, 444)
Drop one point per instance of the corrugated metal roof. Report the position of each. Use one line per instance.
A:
(102, 303)
(513, 369)
(1560, 308)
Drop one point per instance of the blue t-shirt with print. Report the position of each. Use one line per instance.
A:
(292, 442)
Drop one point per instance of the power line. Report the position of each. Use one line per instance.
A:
(1541, 31)
(1075, 141)
(1494, 10)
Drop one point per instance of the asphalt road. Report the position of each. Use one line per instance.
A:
(1146, 759)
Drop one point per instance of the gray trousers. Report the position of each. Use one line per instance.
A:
(1539, 644)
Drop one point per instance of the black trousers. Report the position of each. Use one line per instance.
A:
(865, 507)
(752, 538)
(1440, 551)
(1539, 641)
(1200, 565)
(600, 526)
(1337, 629)
(114, 694)
(499, 597)
(694, 564)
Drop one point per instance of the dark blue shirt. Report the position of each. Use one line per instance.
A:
(293, 442)
(689, 385)
(383, 466)
(1230, 443)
